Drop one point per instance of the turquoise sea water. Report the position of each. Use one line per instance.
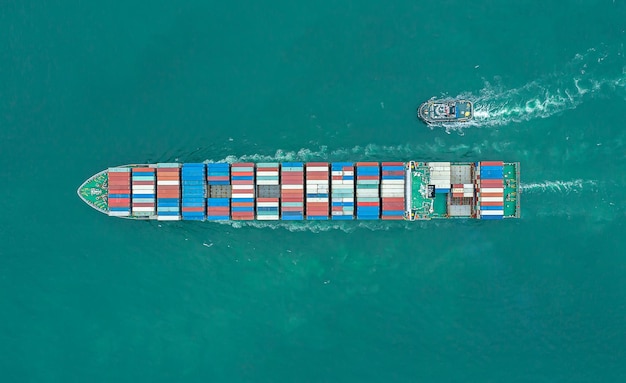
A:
(84, 297)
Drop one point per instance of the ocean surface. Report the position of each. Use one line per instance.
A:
(88, 298)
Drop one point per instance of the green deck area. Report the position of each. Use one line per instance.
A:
(421, 206)
(511, 192)
(94, 191)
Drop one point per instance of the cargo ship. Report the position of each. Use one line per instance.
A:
(293, 191)
(435, 112)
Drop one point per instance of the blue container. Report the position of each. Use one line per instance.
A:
(342, 218)
(119, 209)
(167, 213)
(192, 218)
(143, 195)
(199, 200)
(242, 178)
(292, 164)
(218, 202)
(393, 213)
(393, 168)
(492, 208)
(297, 217)
(168, 200)
(167, 204)
(317, 218)
(119, 195)
(241, 209)
(339, 165)
(217, 218)
(243, 199)
(488, 217)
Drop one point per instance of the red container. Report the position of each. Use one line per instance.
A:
(392, 218)
(242, 164)
(142, 170)
(242, 174)
(482, 203)
(193, 208)
(482, 195)
(367, 203)
(119, 187)
(317, 177)
(267, 199)
(143, 182)
(143, 204)
(168, 195)
(348, 168)
(393, 206)
(119, 201)
(243, 204)
(491, 183)
(491, 163)
(393, 199)
(365, 164)
(218, 178)
(393, 164)
(292, 199)
(291, 208)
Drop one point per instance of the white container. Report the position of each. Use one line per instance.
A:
(492, 212)
(168, 182)
(492, 199)
(168, 218)
(143, 209)
(267, 217)
(119, 213)
(492, 190)
(316, 169)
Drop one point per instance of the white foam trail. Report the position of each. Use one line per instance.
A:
(597, 71)
(564, 187)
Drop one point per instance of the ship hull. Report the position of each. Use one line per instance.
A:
(313, 191)
(434, 112)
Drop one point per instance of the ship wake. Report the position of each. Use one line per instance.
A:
(599, 71)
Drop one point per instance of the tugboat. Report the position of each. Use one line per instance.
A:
(434, 112)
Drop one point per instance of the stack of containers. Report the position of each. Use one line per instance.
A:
(168, 192)
(143, 186)
(218, 199)
(317, 191)
(342, 188)
(392, 190)
(292, 191)
(242, 181)
(367, 196)
(193, 192)
(119, 192)
(440, 176)
(491, 190)
(268, 193)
